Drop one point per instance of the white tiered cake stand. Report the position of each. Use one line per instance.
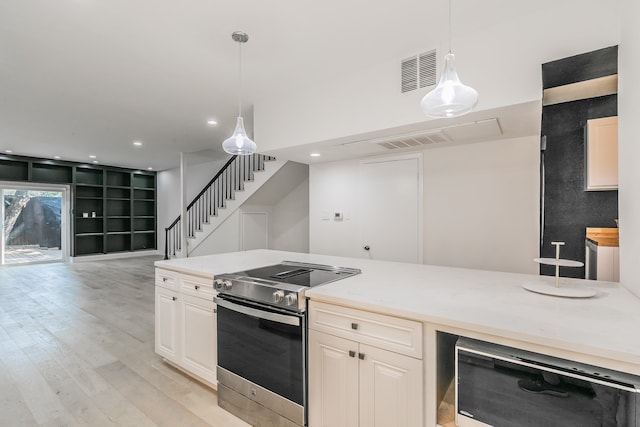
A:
(557, 290)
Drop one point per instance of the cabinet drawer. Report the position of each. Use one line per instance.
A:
(391, 333)
(167, 279)
(197, 286)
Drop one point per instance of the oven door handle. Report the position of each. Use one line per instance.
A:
(261, 314)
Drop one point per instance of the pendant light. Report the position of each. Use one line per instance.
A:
(450, 98)
(239, 143)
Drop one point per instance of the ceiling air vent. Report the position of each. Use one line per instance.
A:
(418, 71)
(412, 140)
(480, 130)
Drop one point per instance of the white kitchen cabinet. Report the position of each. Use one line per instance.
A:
(198, 332)
(602, 154)
(166, 316)
(185, 323)
(354, 383)
(333, 381)
(391, 333)
(602, 262)
(390, 388)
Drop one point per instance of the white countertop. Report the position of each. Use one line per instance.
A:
(495, 303)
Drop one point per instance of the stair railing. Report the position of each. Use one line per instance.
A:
(213, 197)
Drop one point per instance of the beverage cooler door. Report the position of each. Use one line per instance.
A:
(503, 388)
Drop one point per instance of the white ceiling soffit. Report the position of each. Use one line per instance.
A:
(464, 132)
(472, 131)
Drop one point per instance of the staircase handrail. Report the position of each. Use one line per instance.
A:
(206, 187)
(177, 237)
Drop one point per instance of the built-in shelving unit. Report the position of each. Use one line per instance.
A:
(127, 214)
(118, 208)
(114, 209)
(144, 211)
(88, 208)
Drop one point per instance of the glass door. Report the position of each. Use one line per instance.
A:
(33, 224)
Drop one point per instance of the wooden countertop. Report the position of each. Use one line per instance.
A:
(603, 236)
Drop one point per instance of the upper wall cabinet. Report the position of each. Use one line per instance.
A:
(602, 154)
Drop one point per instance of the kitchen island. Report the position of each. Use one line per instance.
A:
(490, 306)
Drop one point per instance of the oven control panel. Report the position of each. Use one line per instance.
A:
(222, 285)
(261, 291)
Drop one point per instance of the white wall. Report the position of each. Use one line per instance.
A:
(502, 62)
(333, 187)
(289, 222)
(481, 206)
(629, 145)
(225, 238)
(288, 217)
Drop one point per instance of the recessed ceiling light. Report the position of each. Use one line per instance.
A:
(212, 122)
(95, 161)
(91, 156)
(8, 151)
(150, 168)
(56, 157)
(314, 155)
(137, 143)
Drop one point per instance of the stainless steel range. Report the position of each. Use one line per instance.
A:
(262, 340)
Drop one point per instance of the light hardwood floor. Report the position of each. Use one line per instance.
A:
(77, 349)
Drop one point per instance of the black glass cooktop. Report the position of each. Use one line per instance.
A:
(307, 275)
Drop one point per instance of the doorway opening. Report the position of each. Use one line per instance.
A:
(33, 224)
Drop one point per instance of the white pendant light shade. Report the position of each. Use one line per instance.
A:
(239, 143)
(450, 98)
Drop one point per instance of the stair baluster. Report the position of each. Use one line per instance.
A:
(222, 187)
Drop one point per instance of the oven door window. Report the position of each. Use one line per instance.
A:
(267, 353)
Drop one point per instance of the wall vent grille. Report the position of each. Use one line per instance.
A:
(418, 71)
(414, 140)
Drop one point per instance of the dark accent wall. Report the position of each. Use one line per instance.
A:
(578, 68)
(568, 208)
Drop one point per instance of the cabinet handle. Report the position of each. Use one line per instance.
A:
(174, 298)
(164, 279)
(354, 326)
(352, 353)
(215, 310)
(361, 356)
(197, 287)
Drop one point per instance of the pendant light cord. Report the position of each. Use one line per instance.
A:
(449, 26)
(239, 79)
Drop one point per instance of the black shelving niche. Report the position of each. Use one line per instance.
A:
(51, 173)
(14, 170)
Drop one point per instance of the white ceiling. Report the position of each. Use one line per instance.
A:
(88, 77)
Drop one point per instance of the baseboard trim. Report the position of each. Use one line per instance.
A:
(115, 255)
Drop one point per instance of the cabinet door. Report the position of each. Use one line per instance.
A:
(166, 315)
(602, 154)
(333, 381)
(390, 389)
(616, 264)
(198, 330)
